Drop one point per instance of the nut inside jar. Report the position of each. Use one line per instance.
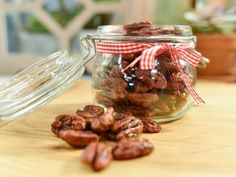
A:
(147, 70)
(144, 93)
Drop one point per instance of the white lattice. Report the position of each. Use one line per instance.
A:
(131, 10)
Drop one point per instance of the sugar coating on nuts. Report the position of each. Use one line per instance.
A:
(67, 122)
(97, 155)
(78, 138)
(103, 122)
(150, 126)
(114, 88)
(127, 127)
(142, 99)
(132, 148)
(90, 112)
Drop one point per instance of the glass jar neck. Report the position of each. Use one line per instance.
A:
(179, 34)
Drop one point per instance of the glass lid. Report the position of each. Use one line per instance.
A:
(38, 84)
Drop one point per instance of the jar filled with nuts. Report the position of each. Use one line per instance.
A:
(145, 69)
(140, 69)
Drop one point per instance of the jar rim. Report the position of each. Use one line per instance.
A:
(182, 33)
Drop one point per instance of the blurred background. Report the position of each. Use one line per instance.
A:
(32, 29)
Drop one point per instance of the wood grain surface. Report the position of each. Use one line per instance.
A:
(201, 144)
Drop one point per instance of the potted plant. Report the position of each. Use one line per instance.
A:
(216, 40)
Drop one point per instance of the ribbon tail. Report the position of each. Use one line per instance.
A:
(132, 63)
(187, 82)
(191, 90)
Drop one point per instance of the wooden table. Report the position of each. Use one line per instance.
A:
(201, 144)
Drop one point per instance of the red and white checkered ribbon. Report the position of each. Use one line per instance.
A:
(149, 54)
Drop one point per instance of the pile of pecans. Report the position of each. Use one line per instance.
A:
(105, 135)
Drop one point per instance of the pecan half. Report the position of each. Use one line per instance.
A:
(151, 126)
(132, 148)
(153, 79)
(168, 67)
(97, 155)
(121, 115)
(128, 56)
(132, 29)
(67, 122)
(152, 31)
(103, 122)
(141, 99)
(175, 82)
(141, 87)
(127, 127)
(180, 103)
(138, 111)
(116, 72)
(78, 138)
(90, 112)
(127, 72)
(114, 88)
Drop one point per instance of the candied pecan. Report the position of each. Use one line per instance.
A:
(90, 112)
(130, 132)
(144, 32)
(151, 126)
(105, 100)
(164, 57)
(137, 110)
(127, 127)
(116, 72)
(168, 97)
(121, 115)
(141, 87)
(165, 106)
(128, 57)
(167, 68)
(158, 80)
(127, 72)
(180, 103)
(89, 153)
(162, 106)
(175, 85)
(154, 79)
(132, 29)
(94, 110)
(136, 25)
(114, 88)
(181, 95)
(125, 123)
(152, 30)
(103, 122)
(97, 155)
(175, 82)
(67, 122)
(162, 30)
(141, 99)
(78, 138)
(132, 148)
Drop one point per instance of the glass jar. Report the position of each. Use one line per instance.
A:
(122, 78)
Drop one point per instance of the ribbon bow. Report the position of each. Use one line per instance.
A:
(149, 54)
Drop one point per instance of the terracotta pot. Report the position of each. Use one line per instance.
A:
(221, 50)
